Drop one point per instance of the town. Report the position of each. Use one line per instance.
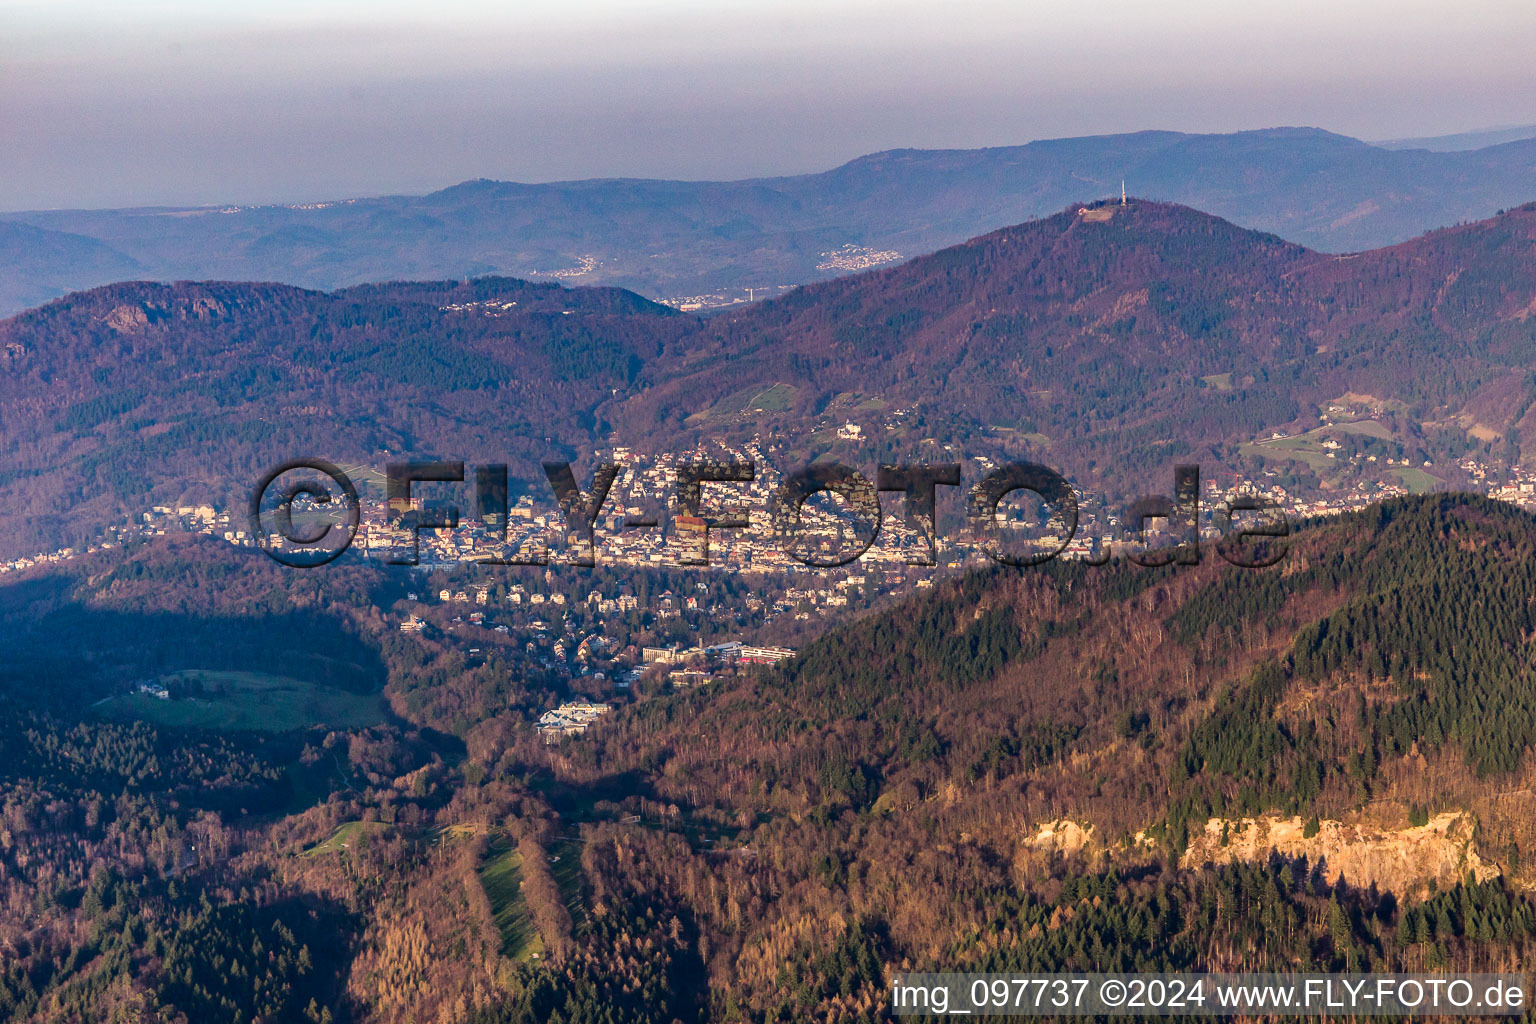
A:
(646, 485)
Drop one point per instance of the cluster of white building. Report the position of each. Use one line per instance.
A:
(731, 653)
(569, 719)
(856, 257)
(715, 300)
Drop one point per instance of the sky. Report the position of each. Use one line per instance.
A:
(127, 103)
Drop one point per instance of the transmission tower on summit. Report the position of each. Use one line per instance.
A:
(1122, 191)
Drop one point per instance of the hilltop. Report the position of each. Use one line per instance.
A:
(162, 392)
(1114, 339)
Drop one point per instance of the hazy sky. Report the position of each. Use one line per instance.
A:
(120, 103)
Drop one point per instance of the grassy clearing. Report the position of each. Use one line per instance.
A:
(502, 878)
(248, 702)
(1285, 449)
(455, 832)
(346, 837)
(1369, 428)
(1417, 480)
(1308, 447)
(774, 399)
(1033, 437)
(565, 865)
(1219, 381)
(367, 479)
(1355, 401)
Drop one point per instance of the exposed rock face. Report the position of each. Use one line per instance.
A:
(1400, 861)
(1061, 837)
(127, 319)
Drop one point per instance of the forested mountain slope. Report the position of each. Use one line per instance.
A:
(1013, 772)
(141, 394)
(1109, 328)
(1380, 678)
(1107, 344)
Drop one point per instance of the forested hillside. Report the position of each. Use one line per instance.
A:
(1009, 773)
(1107, 344)
(1142, 334)
(142, 394)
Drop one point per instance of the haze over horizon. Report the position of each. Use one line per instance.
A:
(171, 103)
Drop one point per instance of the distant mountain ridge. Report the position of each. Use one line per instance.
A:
(1463, 140)
(1107, 341)
(41, 264)
(674, 239)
